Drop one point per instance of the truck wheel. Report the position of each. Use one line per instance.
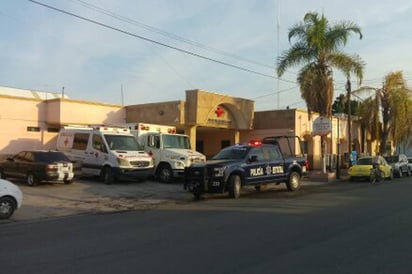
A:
(197, 193)
(7, 207)
(235, 184)
(294, 181)
(31, 180)
(107, 175)
(68, 182)
(165, 173)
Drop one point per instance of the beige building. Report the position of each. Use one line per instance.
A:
(32, 119)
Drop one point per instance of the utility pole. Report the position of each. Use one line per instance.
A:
(348, 90)
(338, 153)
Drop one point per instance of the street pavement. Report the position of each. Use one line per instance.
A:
(88, 195)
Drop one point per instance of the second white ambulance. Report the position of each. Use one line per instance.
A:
(171, 152)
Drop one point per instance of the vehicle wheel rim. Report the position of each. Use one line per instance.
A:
(237, 187)
(30, 180)
(165, 175)
(294, 182)
(5, 208)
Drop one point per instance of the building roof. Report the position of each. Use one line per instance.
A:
(33, 94)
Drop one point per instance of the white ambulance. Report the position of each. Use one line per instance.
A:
(171, 151)
(109, 152)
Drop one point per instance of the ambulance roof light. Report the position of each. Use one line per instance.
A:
(144, 127)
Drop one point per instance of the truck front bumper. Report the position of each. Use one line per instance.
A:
(132, 173)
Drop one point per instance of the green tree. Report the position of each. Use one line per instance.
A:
(389, 115)
(318, 50)
(340, 105)
(368, 114)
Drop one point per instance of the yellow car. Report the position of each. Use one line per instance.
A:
(362, 168)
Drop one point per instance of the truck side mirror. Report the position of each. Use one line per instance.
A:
(151, 141)
(104, 148)
(253, 158)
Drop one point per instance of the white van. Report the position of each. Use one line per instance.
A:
(109, 152)
(171, 152)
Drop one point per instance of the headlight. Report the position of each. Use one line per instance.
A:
(177, 158)
(179, 165)
(219, 171)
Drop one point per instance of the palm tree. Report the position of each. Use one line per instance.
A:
(395, 107)
(368, 114)
(318, 49)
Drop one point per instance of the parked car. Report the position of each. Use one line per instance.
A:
(39, 165)
(362, 168)
(11, 198)
(410, 163)
(399, 164)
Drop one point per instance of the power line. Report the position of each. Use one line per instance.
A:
(276, 92)
(158, 43)
(169, 34)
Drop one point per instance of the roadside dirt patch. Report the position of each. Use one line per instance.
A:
(90, 196)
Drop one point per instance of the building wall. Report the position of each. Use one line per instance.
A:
(202, 109)
(67, 111)
(212, 140)
(23, 124)
(29, 123)
(170, 113)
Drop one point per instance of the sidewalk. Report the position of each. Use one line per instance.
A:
(319, 176)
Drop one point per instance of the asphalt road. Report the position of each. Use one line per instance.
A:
(331, 228)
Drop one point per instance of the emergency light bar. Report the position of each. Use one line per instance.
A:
(144, 127)
(255, 142)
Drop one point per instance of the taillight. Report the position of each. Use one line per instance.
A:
(51, 168)
(306, 164)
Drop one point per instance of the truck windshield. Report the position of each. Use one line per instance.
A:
(122, 142)
(175, 141)
(232, 153)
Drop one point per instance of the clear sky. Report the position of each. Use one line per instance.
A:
(43, 49)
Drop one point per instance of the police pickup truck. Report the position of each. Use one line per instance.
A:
(257, 163)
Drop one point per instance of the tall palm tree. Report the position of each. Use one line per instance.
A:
(318, 49)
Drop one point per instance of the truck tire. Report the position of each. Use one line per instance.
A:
(67, 182)
(165, 173)
(197, 193)
(293, 182)
(107, 175)
(235, 184)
